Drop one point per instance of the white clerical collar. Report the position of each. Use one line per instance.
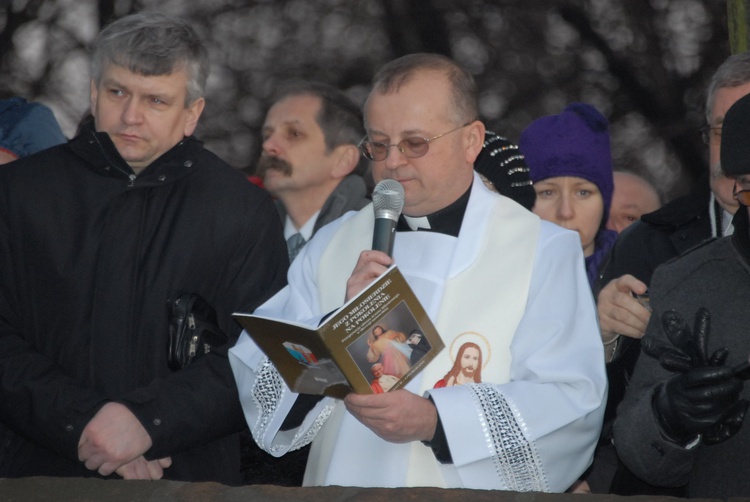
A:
(307, 229)
(418, 222)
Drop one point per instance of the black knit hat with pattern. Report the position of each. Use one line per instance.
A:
(502, 163)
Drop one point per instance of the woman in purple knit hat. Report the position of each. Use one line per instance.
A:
(570, 164)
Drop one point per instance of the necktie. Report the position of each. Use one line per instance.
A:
(294, 244)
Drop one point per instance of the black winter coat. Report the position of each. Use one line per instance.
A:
(715, 276)
(656, 239)
(89, 255)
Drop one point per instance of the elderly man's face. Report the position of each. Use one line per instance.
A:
(722, 186)
(422, 107)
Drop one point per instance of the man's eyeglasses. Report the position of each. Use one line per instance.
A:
(742, 196)
(411, 148)
(711, 135)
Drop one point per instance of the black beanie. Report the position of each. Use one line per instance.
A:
(735, 138)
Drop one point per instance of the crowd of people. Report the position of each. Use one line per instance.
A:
(592, 337)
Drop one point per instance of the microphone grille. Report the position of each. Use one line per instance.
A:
(388, 197)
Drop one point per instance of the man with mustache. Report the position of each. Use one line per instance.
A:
(310, 161)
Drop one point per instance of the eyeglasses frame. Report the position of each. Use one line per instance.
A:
(401, 149)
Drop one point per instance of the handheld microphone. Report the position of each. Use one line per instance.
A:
(387, 201)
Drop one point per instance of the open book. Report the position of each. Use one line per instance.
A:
(375, 343)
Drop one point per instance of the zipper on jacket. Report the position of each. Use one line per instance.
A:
(131, 176)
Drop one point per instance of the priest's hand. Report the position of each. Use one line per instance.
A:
(113, 438)
(368, 268)
(619, 311)
(398, 417)
(140, 468)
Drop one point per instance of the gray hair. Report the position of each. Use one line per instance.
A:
(398, 72)
(733, 72)
(152, 44)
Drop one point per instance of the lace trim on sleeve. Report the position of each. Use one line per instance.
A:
(515, 458)
(267, 392)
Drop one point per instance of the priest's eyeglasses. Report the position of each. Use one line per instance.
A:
(411, 148)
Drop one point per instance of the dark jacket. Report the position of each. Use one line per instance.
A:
(89, 255)
(655, 239)
(715, 276)
(660, 236)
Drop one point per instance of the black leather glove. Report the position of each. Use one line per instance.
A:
(698, 401)
(727, 426)
(688, 349)
(703, 398)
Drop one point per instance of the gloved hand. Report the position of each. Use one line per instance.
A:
(703, 398)
(727, 426)
(700, 401)
(688, 350)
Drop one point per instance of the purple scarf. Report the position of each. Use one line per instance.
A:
(604, 241)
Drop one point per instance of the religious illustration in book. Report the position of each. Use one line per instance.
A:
(381, 382)
(301, 353)
(469, 359)
(387, 349)
(375, 342)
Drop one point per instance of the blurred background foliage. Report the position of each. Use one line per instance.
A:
(645, 64)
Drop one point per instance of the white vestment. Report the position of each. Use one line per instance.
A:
(511, 284)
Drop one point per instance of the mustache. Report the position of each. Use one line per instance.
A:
(268, 162)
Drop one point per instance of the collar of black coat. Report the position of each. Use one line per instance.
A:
(680, 211)
(445, 221)
(741, 235)
(102, 157)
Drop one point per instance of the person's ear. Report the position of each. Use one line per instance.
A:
(194, 111)
(346, 158)
(473, 140)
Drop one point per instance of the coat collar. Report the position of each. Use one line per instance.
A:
(103, 158)
(741, 236)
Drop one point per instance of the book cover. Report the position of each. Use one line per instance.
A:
(375, 343)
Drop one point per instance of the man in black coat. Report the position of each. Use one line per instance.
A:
(681, 422)
(95, 236)
(656, 238)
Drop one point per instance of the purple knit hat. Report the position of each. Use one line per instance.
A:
(573, 143)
